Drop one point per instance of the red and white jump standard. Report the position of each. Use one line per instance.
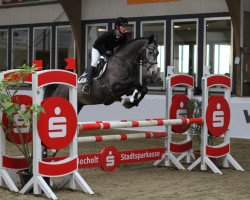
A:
(175, 109)
(216, 115)
(10, 162)
(55, 129)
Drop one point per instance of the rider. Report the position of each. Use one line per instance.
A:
(104, 45)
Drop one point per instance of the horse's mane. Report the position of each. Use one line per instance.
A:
(128, 43)
(131, 41)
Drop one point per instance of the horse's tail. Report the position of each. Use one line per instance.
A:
(49, 90)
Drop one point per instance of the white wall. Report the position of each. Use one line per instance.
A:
(31, 14)
(103, 9)
(100, 9)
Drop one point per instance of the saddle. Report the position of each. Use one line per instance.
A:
(104, 89)
(99, 71)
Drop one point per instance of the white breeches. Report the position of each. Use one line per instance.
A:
(95, 57)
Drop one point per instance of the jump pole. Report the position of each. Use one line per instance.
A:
(123, 136)
(109, 157)
(143, 123)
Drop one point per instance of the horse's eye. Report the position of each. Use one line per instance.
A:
(150, 53)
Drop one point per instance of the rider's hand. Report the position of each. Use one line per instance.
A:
(109, 53)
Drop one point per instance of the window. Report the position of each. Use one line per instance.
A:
(93, 31)
(184, 46)
(65, 45)
(3, 50)
(42, 46)
(218, 45)
(158, 29)
(20, 47)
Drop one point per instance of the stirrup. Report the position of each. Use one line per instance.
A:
(86, 89)
(82, 78)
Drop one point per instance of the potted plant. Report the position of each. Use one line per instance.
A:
(16, 116)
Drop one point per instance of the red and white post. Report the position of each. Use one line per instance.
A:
(216, 115)
(13, 163)
(55, 129)
(175, 109)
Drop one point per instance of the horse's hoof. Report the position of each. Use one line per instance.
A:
(127, 104)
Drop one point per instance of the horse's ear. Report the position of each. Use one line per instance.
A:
(151, 39)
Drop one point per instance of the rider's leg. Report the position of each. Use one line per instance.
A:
(90, 73)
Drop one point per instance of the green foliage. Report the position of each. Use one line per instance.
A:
(194, 110)
(9, 105)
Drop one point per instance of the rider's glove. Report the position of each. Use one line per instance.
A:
(109, 53)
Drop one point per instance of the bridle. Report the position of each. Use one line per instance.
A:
(143, 57)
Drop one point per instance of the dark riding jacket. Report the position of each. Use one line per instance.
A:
(108, 41)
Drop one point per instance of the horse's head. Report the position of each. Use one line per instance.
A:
(149, 58)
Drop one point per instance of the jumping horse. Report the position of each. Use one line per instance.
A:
(121, 76)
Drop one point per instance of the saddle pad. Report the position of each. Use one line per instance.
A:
(83, 79)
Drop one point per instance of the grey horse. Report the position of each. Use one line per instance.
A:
(121, 76)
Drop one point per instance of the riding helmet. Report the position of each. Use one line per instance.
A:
(120, 21)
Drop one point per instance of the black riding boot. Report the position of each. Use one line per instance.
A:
(90, 75)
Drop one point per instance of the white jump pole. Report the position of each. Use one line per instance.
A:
(102, 138)
(143, 123)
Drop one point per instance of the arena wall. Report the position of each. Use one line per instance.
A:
(93, 9)
(105, 9)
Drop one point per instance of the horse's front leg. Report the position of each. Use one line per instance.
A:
(134, 96)
(137, 94)
(142, 91)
